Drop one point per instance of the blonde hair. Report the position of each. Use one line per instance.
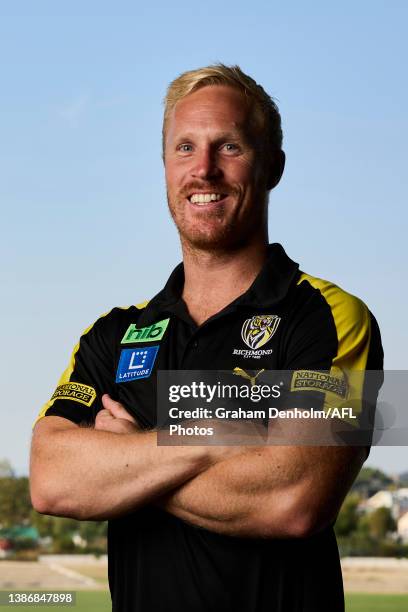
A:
(268, 117)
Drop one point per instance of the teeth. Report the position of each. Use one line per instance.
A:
(204, 198)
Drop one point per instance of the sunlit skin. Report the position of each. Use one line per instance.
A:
(211, 148)
(214, 145)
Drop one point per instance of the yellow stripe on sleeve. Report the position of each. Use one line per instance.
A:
(65, 378)
(353, 327)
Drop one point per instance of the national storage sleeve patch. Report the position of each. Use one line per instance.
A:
(310, 380)
(75, 391)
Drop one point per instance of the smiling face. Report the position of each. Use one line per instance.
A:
(216, 183)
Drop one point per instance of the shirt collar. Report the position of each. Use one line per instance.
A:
(270, 286)
(273, 281)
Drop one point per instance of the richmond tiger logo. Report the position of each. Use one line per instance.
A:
(256, 332)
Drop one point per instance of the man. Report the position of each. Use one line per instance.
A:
(209, 528)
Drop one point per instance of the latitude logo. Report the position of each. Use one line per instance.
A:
(136, 363)
(258, 330)
(151, 333)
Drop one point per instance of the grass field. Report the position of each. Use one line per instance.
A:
(356, 602)
(91, 601)
(86, 601)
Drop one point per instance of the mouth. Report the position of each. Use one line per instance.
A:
(206, 199)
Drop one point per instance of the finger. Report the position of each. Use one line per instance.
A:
(110, 404)
(116, 408)
(103, 419)
(105, 414)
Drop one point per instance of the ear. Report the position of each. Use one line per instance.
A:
(276, 168)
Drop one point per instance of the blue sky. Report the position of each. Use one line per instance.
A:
(84, 216)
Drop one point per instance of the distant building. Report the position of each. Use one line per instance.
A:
(381, 499)
(395, 501)
(403, 479)
(6, 547)
(18, 533)
(79, 541)
(402, 527)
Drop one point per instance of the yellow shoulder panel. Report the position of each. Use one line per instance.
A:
(352, 320)
(353, 326)
(68, 371)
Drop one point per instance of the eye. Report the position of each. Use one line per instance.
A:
(230, 147)
(185, 148)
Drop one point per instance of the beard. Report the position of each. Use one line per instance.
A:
(216, 229)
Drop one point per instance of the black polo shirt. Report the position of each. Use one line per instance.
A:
(286, 320)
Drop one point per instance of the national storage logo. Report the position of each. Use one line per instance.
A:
(75, 391)
(152, 333)
(310, 380)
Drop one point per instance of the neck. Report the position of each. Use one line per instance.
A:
(213, 279)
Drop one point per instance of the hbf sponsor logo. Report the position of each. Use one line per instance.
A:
(151, 333)
(136, 363)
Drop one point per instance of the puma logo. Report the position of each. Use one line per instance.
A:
(241, 372)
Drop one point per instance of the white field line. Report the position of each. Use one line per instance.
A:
(375, 562)
(72, 574)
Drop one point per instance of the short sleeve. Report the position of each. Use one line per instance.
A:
(334, 351)
(88, 376)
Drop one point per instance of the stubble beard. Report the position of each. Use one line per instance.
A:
(210, 237)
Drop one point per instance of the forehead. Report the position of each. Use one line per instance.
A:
(211, 108)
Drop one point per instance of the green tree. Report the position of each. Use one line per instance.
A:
(370, 480)
(43, 523)
(61, 531)
(92, 530)
(380, 522)
(348, 517)
(6, 470)
(15, 502)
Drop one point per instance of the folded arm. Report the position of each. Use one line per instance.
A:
(269, 491)
(102, 472)
(273, 492)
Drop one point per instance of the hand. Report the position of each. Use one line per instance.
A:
(115, 418)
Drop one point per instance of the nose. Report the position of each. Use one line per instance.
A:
(206, 166)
